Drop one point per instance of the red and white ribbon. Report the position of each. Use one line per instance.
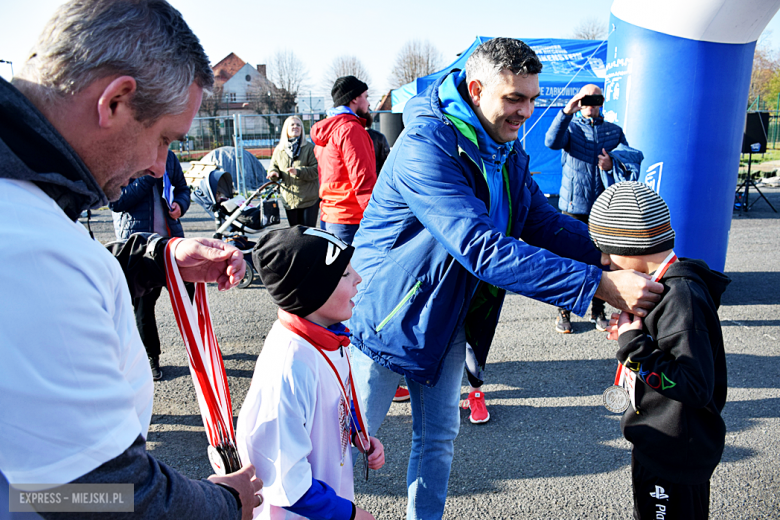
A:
(626, 372)
(206, 365)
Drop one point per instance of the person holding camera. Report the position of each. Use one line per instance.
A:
(585, 140)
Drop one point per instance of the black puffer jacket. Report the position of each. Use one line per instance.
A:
(678, 433)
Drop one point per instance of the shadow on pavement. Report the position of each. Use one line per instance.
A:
(753, 288)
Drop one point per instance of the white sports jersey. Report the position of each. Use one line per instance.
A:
(292, 425)
(75, 385)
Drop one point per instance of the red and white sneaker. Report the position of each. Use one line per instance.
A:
(476, 402)
(401, 395)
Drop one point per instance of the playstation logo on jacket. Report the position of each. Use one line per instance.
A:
(288, 259)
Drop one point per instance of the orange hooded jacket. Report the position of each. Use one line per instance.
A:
(345, 157)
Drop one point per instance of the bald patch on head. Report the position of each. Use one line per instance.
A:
(590, 90)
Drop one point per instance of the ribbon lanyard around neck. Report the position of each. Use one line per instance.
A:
(625, 376)
(343, 389)
(661, 271)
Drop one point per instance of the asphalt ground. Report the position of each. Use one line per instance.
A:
(550, 450)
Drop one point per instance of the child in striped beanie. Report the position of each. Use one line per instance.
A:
(673, 362)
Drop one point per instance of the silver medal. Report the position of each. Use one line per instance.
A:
(616, 399)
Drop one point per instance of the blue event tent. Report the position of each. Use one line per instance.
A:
(568, 65)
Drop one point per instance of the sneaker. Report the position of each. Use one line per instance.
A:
(601, 321)
(563, 322)
(401, 394)
(154, 363)
(476, 402)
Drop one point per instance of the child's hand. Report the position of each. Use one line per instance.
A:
(362, 514)
(612, 332)
(628, 322)
(376, 454)
(621, 323)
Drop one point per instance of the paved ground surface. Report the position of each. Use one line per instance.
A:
(550, 450)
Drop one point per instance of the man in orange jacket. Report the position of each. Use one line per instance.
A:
(345, 156)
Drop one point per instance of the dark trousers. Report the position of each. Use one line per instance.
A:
(346, 232)
(304, 216)
(146, 321)
(596, 305)
(655, 497)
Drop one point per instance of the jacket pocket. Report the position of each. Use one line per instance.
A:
(400, 305)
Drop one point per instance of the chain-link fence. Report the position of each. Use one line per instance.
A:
(259, 133)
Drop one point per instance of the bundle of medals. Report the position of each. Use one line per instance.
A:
(206, 366)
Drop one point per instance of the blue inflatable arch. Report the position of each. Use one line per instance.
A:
(678, 74)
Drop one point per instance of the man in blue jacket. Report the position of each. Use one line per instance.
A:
(455, 221)
(152, 205)
(586, 142)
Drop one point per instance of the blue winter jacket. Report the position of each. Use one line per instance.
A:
(581, 140)
(136, 204)
(432, 259)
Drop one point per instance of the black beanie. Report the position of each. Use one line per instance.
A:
(345, 89)
(630, 219)
(301, 267)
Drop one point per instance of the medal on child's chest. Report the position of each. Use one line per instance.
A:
(617, 397)
(344, 407)
(343, 428)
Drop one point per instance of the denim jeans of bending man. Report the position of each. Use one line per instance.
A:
(435, 424)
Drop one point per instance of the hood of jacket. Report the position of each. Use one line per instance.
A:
(421, 108)
(698, 269)
(31, 149)
(453, 104)
(493, 155)
(322, 132)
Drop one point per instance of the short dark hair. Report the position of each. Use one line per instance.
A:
(492, 57)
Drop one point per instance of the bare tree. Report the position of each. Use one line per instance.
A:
(590, 29)
(212, 104)
(345, 66)
(210, 107)
(415, 59)
(288, 72)
(266, 98)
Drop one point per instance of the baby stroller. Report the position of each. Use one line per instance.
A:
(234, 217)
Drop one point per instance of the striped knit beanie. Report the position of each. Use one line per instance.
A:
(630, 219)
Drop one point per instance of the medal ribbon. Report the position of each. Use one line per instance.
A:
(205, 357)
(624, 375)
(290, 323)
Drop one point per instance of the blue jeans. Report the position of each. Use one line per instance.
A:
(345, 232)
(435, 424)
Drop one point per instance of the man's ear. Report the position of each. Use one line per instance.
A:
(114, 102)
(475, 91)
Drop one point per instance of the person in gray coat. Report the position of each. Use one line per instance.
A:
(585, 142)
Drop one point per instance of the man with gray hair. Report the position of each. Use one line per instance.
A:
(109, 85)
(455, 221)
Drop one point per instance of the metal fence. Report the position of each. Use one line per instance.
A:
(258, 133)
(773, 107)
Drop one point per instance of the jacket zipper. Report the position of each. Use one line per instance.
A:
(461, 151)
(389, 317)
